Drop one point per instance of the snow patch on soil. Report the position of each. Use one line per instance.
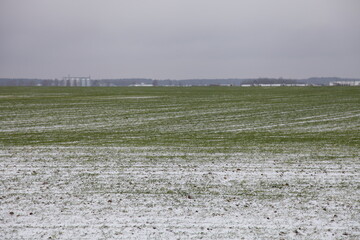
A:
(162, 193)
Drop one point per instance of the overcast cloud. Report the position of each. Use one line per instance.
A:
(179, 38)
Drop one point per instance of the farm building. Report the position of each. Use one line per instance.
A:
(77, 81)
(345, 83)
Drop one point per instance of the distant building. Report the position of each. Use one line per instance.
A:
(275, 85)
(141, 85)
(345, 83)
(270, 85)
(296, 85)
(76, 81)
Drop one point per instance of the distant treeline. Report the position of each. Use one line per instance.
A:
(272, 81)
(168, 82)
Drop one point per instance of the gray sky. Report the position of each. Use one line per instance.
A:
(179, 39)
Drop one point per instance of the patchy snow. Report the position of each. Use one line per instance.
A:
(214, 165)
(138, 193)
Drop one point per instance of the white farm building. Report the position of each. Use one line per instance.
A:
(345, 83)
(77, 81)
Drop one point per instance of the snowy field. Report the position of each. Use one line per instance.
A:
(180, 163)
